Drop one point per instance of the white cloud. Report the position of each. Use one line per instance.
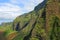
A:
(9, 7)
(28, 4)
(26, 1)
(9, 11)
(14, 8)
(8, 15)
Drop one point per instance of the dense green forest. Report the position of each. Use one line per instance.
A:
(43, 23)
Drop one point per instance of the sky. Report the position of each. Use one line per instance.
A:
(10, 9)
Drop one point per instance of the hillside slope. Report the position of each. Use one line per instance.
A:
(43, 23)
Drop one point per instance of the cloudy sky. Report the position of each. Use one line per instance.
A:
(10, 9)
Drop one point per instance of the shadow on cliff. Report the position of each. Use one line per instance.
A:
(54, 34)
(29, 35)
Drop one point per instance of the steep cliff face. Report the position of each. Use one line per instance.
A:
(52, 9)
(53, 19)
(43, 23)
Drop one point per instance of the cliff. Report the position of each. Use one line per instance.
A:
(43, 23)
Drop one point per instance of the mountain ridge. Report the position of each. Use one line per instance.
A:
(44, 14)
(43, 23)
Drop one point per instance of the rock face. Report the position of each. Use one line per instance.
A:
(43, 23)
(52, 8)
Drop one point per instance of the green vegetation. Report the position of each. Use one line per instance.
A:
(43, 23)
